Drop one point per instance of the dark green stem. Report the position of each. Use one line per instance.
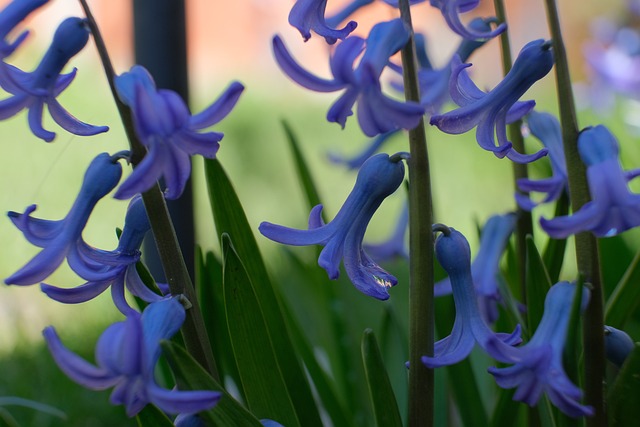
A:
(524, 225)
(193, 330)
(421, 321)
(586, 244)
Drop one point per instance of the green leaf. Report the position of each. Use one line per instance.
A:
(191, 376)
(622, 401)
(537, 285)
(507, 412)
(151, 416)
(383, 400)
(230, 218)
(625, 297)
(553, 254)
(265, 390)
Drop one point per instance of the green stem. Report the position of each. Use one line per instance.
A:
(586, 244)
(421, 321)
(193, 330)
(524, 225)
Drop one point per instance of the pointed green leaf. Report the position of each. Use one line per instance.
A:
(383, 400)
(230, 218)
(625, 297)
(262, 381)
(191, 376)
(507, 412)
(151, 416)
(622, 401)
(537, 285)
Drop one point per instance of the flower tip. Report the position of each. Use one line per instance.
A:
(548, 44)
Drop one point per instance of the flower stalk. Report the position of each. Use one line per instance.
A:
(421, 321)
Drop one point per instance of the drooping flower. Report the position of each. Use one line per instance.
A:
(538, 366)
(377, 113)
(43, 85)
(453, 253)
(115, 268)
(63, 238)
(307, 15)
(126, 355)
(613, 208)
(168, 131)
(617, 345)
(492, 111)
(485, 268)
(10, 17)
(451, 10)
(342, 238)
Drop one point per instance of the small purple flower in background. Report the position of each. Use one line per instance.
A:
(451, 10)
(10, 17)
(617, 345)
(492, 111)
(342, 238)
(485, 269)
(546, 128)
(115, 268)
(537, 365)
(377, 113)
(126, 355)
(396, 245)
(63, 238)
(613, 208)
(453, 253)
(168, 131)
(35, 89)
(307, 15)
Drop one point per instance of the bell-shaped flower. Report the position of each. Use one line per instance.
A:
(377, 113)
(613, 208)
(10, 17)
(342, 238)
(43, 85)
(546, 128)
(115, 268)
(451, 10)
(395, 246)
(469, 327)
(126, 356)
(307, 15)
(538, 366)
(169, 132)
(63, 238)
(492, 111)
(617, 345)
(485, 269)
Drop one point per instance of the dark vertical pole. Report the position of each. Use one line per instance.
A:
(161, 47)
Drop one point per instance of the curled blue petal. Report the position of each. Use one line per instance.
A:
(451, 10)
(307, 15)
(617, 345)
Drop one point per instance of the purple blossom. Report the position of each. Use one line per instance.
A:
(485, 269)
(10, 17)
(63, 238)
(168, 131)
(115, 268)
(126, 355)
(342, 238)
(307, 15)
(537, 365)
(613, 208)
(492, 111)
(42, 86)
(451, 10)
(377, 113)
(453, 253)
(617, 345)
(546, 128)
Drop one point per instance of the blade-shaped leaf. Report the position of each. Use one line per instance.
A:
(151, 416)
(625, 297)
(622, 401)
(537, 285)
(265, 390)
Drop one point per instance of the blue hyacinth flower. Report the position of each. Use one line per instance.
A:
(617, 345)
(342, 238)
(10, 17)
(453, 253)
(126, 356)
(537, 365)
(42, 86)
(546, 128)
(485, 269)
(492, 111)
(451, 10)
(307, 15)
(169, 132)
(377, 113)
(115, 269)
(613, 208)
(63, 238)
